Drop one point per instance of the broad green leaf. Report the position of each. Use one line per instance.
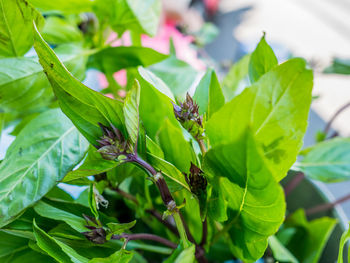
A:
(23, 84)
(176, 149)
(140, 16)
(176, 74)
(26, 256)
(344, 238)
(261, 61)
(275, 108)
(49, 211)
(121, 256)
(41, 155)
(117, 228)
(113, 59)
(175, 179)
(339, 66)
(208, 95)
(58, 31)
(187, 255)
(84, 106)
(16, 31)
(131, 112)
(10, 244)
(255, 199)
(55, 248)
(68, 7)
(310, 237)
(93, 164)
(328, 161)
(236, 79)
(217, 203)
(279, 252)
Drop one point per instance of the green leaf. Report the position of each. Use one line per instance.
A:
(261, 61)
(208, 94)
(257, 205)
(26, 256)
(175, 179)
(117, 228)
(328, 161)
(128, 57)
(41, 155)
(93, 201)
(16, 32)
(339, 66)
(176, 74)
(58, 31)
(121, 256)
(49, 211)
(55, 248)
(131, 112)
(84, 106)
(10, 244)
(276, 108)
(23, 84)
(310, 238)
(176, 149)
(279, 252)
(344, 238)
(93, 164)
(236, 79)
(68, 7)
(141, 16)
(187, 255)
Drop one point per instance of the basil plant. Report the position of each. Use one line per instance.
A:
(174, 171)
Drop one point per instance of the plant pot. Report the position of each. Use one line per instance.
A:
(312, 193)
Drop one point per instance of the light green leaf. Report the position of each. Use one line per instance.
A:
(128, 57)
(93, 201)
(310, 237)
(117, 228)
(140, 16)
(344, 238)
(175, 179)
(255, 199)
(68, 7)
(187, 255)
(328, 161)
(208, 95)
(131, 112)
(261, 61)
(58, 31)
(236, 79)
(279, 251)
(16, 32)
(93, 164)
(84, 106)
(55, 248)
(49, 211)
(176, 74)
(276, 108)
(179, 152)
(41, 155)
(23, 84)
(121, 256)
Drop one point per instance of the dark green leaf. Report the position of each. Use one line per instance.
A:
(344, 238)
(339, 66)
(328, 161)
(113, 59)
(26, 256)
(55, 248)
(257, 204)
(16, 32)
(276, 108)
(49, 211)
(279, 251)
(236, 79)
(131, 112)
(41, 155)
(261, 61)
(10, 244)
(208, 94)
(84, 106)
(121, 256)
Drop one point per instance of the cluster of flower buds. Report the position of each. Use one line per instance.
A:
(112, 144)
(187, 114)
(197, 180)
(96, 234)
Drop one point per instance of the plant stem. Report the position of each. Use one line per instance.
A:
(204, 232)
(202, 146)
(327, 206)
(181, 229)
(145, 236)
(294, 183)
(336, 114)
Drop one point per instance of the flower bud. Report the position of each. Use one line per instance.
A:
(96, 235)
(197, 180)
